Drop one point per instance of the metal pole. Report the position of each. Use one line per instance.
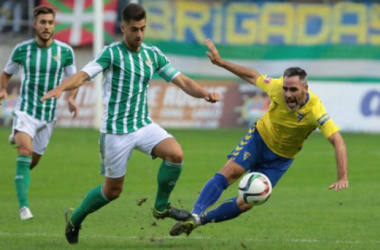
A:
(97, 47)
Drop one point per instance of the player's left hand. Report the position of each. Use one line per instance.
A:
(339, 184)
(73, 107)
(212, 97)
(54, 93)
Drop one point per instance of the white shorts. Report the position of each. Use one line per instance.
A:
(116, 149)
(40, 131)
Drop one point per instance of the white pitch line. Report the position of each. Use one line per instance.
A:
(192, 238)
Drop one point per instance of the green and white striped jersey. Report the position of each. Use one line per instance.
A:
(42, 70)
(125, 84)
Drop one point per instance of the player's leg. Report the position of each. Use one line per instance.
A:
(22, 178)
(272, 165)
(241, 159)
(157, 142)
(115, 150)
(24, 130)
(97, 198)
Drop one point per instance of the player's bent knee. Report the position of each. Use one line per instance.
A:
(24, 151)
(175, 158)
(113, 194)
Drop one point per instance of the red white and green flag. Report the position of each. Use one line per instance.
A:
(75, 20)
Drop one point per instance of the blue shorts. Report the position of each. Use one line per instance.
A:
(254, 156)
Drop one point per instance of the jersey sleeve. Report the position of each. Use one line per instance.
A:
(164, 68)
(70, 68)
(14, 62)
(268, 84)
(323, 120)
(100, 63)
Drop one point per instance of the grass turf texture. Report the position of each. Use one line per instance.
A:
(301, 214)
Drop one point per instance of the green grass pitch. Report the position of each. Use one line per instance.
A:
(301, 213)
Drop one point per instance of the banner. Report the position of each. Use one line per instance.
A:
(75, 18)
(261, 22)
(241, 104)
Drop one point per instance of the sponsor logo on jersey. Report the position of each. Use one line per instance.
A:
(246, 156)
(148, 62)
(300, 116)
(267, 80)
(57, 57)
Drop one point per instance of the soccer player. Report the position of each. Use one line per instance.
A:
(129, 65)
(43, 62)
(270, 145)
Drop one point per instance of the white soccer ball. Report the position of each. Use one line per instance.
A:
(255, 188)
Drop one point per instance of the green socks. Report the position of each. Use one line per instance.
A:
(22, 179)
(167, 178)
(94, 200)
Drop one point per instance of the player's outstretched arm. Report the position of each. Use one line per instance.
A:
(192, 88)
(73, 82)
(247, 74)
(337, 141)
(73, 107)
(4, 80)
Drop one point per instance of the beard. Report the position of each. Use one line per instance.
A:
(294, 104)
(44, 38)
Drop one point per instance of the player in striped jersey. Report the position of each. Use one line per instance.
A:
(43, 62)
(129, 65)
(270, 145)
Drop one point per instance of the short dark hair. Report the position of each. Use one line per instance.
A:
(39, 10)
(296, 71)
(134, 12)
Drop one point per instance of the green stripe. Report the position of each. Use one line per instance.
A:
(113, 95)
(41, 82)
(62, 7)
(125, 84)
(61, 27)
(273, 52)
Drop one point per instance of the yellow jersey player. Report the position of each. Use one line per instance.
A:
(271, 144)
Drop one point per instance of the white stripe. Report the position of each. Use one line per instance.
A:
(56, 82)
(275, 68)
(35, 94)
(131, 87)
(198, 238)
(142, 72)
(146, 92)
(119, 90)
(27, 76)
(47, 78)
(107, 88)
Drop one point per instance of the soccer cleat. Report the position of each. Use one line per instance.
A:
(185, 226)
(25, 213)
(11, 139)
(171, 212)
(71, 231)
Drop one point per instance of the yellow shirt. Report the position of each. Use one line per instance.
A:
(284, 131)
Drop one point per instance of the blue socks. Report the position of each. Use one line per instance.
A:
(210, 193)
(226, 211)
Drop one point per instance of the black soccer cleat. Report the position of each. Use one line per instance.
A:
(186, 227)
(171, 212)
(71, 231)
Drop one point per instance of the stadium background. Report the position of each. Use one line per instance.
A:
(337, 42)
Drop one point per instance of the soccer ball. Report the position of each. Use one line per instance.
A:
(255, 188)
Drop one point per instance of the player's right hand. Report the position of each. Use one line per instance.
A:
(213, 54)
(3, 96)
(54, 93)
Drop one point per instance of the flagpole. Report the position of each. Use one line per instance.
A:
(97, 47)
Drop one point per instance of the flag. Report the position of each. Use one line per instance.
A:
(75, 18)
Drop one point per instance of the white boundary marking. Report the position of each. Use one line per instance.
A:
(192, 238)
